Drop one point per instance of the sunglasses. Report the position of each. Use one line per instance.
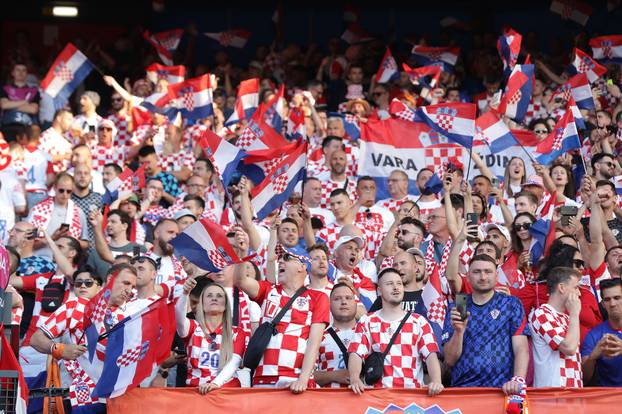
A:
(105, 129)
(64, 191)
(607, 163)
(86, 283)
(578, 263)
(287, 257)
(117, 99)
(541, 131)
(524, 226)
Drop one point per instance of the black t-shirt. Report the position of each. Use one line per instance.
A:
(412, 302)
(615, 225)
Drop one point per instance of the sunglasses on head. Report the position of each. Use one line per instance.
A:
(64, 191)
(86, 283)
(524, 226)
(143, 259)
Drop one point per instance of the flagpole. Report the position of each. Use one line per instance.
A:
(469, 164)
(527, 152)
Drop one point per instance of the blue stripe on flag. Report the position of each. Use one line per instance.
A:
(186, 246)
(110, 372)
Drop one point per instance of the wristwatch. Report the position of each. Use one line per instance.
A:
(163, 373)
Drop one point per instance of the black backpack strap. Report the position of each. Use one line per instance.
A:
(394, 337)
(339, 343)
(236, 307)
(288, 305)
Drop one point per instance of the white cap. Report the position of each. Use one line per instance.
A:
(344, 239)
(502, 229)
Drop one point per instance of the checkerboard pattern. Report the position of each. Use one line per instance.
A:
(445, 121)
(330, 357)
(63, 72)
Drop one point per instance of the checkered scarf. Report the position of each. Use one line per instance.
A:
(81, 385)
(42, 214)
(430, 261)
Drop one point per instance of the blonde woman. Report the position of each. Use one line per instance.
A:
(213, 346)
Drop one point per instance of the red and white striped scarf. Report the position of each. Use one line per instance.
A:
(430, 260)
(42, 214)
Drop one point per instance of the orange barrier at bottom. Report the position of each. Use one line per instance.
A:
(394, 401)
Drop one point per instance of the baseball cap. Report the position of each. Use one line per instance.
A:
(344, 239)
(502, 229)
(534, 180)
(415, 251)
(183, 213)
(133, 199)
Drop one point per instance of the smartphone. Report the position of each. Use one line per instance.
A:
(461, 303)
(64, 227)
(92, 128)
(495, 182)
(472, 218)
(566, 212)
(180, 352)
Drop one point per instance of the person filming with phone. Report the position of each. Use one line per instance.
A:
(484, 340)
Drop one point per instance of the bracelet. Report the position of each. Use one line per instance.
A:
(57, 350)
(163, 373)
(519, 379)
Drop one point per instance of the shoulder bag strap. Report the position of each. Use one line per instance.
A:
(289, 303)
(236, 307)
(338, 341)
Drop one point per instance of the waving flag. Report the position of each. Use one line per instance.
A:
(275, 189)
(247, 101)
(494, 132)
(579, 89)
(398, 109)
(66, 74)
(510, 275)
(434, 185)
(256, 135)
(15, 399)
(425, 75)
(350, 124)
(136, 345)
(576, 112)
(231, 38)
(454, 120)
(296, 124)
(388, 69)
(543, 233)
(165, 43)
(434, 301)
(426, 56)
(259, 164)
(607, 49)
(173, 74)
(355, 34)
(583, 63)
(575, 10)
(192, 98)
(205, 244)
(224, 156)
(617, 181)
(120, 186)
(562, 139)
(517, 94)
(273, 113)
(508, 46)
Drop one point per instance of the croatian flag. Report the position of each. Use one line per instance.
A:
(192, 98)
(350, 124)
(398, 109)
(225, 156)
(425, 75)
(607, 49)
(388, 69)
(426, 56)
(247, 101)
(543, 233)
(434, 185)
(165, 43)
(156, 102)
(454, 120)
(276, 188)
(273, 112)
(576, 112)
(577, 11)
(296, 124)
(517, 94)
(136, 345)
(355, 34)
(617, 181)
(434, 302)
(66, 74)
(579, 89)
(231, 38)
(256, 135)
(510, 275)
(173, 74)
(120, 186)
(494, 132)
(259, 164)
(562, 139)
(508, 46)
(583, 63)
(205, 244)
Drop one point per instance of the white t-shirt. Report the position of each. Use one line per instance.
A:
(11, 196)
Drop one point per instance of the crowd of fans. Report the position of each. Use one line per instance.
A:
(359, 266)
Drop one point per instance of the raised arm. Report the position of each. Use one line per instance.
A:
(246, 215)
(101, 246)
(182, 323)
(453, 263)
(597, 245)
(112, 82)
(62, 263)
(481, 165)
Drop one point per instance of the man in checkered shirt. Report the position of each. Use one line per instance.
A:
(398, 189)
(414, 345)
(147, 156)
(53, 141)
(489, 347)
(336, 178)
(292, 353)
(555, 332)
(331, 364)
(107, 150)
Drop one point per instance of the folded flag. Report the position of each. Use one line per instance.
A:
(231, 38)
(562, 139)
(575, 10)
(579, 89)
(205, 244)
(517, 95)
(583, 63)
(66, 74)
(224, 156)
(173, 74)
(455, 120)
(296, 124)
(607, 49)
(425, 75)
(257, 135)
(398, 109)
(157, 103)
(508, 46)
(247, 101)
(276, 188)
(510, 275)
(434, 185)
(494, 132)
(273, 112)
(543, 233)
(165, 43)
(259, 164)
(426, 56)
(388, 69)
(576, 112)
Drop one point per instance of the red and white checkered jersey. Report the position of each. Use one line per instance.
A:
(403, 366)
(155, 213)
(171, 272)
(552, 367)
(204, 352)
(35, 167)
(392, 204)
(138, 136)
(328, 186)
(373, 239)
(192, 134)
(174, 162)
(103, 155)
(54, 144)
(375, 217)
(122, 123)
(535, 110)
(67, 318)
(286, 350)
(330, 357)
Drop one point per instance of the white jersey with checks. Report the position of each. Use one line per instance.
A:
(552, 367)
(36, 166)
(403, 366)
(330, 357)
